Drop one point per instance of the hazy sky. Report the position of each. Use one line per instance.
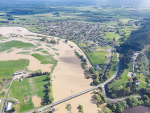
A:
(140, 3)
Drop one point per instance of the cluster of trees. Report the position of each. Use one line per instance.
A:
(48, 98)
(146, 100)
(130, 89)
(66, 40)
(100, 98)
(107, 110)
(111, 67)
(118, 107)
(133, 101)
(143, 63)
(136, 41)
(81, 108)
(39, 74)
(125, 58)
(130, 102)
(52, 41)
(84, 61)
(95, 76)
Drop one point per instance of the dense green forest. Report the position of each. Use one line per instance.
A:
(137, 40)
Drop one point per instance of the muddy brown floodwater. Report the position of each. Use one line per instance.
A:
(137, 109)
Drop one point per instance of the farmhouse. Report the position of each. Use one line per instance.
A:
(8, 106)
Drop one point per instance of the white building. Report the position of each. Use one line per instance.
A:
(8, 106)
(17, 73)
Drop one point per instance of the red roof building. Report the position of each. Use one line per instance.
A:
(131, 79)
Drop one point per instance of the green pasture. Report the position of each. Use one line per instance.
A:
(21, 90)
(8, 67)
(125, 79)
(98, 57)
(2, 94)
(45, 59)
(83, 45)
(25, 89)
(16, 44)
(111, 35)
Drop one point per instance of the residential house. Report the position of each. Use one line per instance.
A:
(137, 83)
(131, 79)
(97, 67)
(133, 74)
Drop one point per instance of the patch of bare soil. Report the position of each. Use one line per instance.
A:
(103, 105)
(101, 50)
(36, 101)
(26, 99)
(129, 74)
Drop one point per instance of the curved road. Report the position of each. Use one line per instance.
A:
(83, 92)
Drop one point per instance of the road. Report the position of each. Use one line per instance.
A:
(81, 93)
(2, 104)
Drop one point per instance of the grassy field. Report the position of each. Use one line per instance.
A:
(83, 45)
(47, 59)
(114, 66)
(98, 57)
(25, 89)
(2, 94)
(20, 90)
(111, 35)
(16, 44)
(8, 67)
(125, 79)
(1, 38)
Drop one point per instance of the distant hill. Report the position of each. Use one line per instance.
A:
(137, 39)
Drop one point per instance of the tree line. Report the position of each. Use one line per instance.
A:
(48, 98)
(83, 60)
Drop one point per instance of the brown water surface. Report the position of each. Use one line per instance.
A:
(137, 109)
